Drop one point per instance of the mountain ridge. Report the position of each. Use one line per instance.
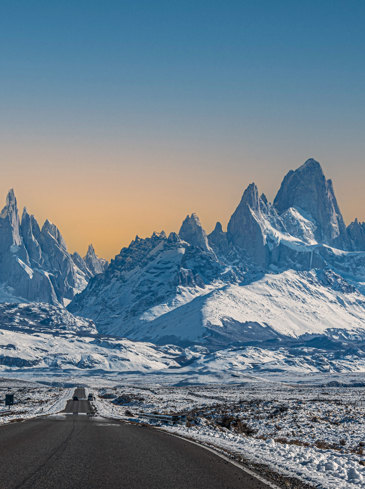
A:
(283, 289)
(158, 287)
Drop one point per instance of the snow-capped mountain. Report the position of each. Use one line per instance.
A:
(282, 289)
(282, 272)
(34, 262)
(149, 272)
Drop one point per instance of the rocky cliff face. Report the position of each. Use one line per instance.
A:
(255, 228)
(245, 228)
(307, 190)
(356, 235)
(93, 262)
(218, 240)
(16, 274)
(192, 232)
(30, 233)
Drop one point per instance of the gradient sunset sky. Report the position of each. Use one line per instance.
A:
(118, 118)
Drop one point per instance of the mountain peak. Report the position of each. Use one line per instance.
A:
(95, 264)
(251, 196)
(173, 237)
(356, 233)
(192, 232)
(51, 229)
(10, 198)
(193, 218)
(35, 264)
(11, 207)
(244, 230)
(28, 219)
(311, 164)
(10, 218)
(218, 228)
(160, 235)
(218, 239)
(90, 250)
(307, 190)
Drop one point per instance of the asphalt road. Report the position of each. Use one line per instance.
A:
(81, 406)
(74, 450)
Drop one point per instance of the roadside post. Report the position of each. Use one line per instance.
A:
(9, 399)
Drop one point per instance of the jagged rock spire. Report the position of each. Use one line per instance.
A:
(11, 199)
(10, 221)
(193, 233)
(30, 233)
(310, 193)
(244, 229)
(35, 263)
(218, 239)
(95, 264)
(52, 230)
(356, 234)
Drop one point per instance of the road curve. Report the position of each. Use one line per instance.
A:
(72, 450)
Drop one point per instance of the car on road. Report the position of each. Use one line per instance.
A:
(90, 397)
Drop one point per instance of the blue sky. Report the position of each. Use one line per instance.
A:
(226, 91)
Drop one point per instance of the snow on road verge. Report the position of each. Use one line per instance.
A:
(31, 401)
(322, 468)
(105, 409)
(60, 404)
(325, 469)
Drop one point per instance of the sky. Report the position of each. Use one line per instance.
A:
(119, 118)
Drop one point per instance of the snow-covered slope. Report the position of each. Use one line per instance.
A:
(45, 337)
(36, 317)
(45, 340)
(290, 303)
(276, 308)
(21, 351)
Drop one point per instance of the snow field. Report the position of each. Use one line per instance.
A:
(316, 434)
(31, 401)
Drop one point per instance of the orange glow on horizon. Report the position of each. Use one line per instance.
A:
(104, 199)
